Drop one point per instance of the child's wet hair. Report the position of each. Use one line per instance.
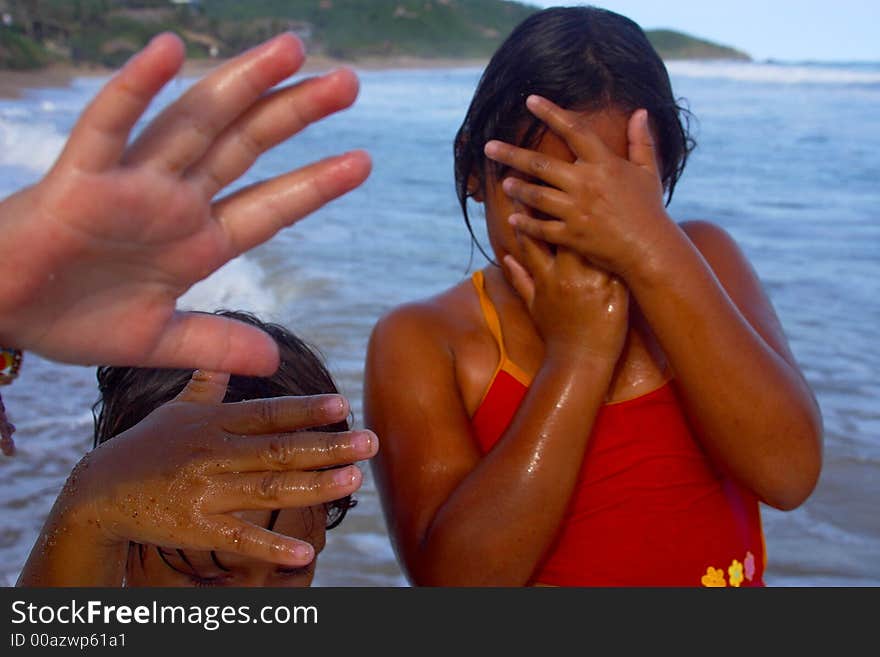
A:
(583, 59)
(129, 394)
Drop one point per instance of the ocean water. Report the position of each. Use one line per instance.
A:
(788, 162)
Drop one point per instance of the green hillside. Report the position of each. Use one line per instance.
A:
(34, 33)
(677, 45)
(353, 28)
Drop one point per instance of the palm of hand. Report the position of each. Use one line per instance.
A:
(115, 233)
(124, 246)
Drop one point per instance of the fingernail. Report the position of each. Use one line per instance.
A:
(535, 101)
(362, 441)
(303, 552)
(508, 185)
(491, 148)
(346, 476)
(334, 406)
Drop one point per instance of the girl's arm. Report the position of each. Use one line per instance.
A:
(72, 549)
(744, 393)
(459, 518)
(176, 478)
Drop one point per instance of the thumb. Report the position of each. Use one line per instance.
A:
(205, 387)
(641, 142)
(521, 280)
(219, 344)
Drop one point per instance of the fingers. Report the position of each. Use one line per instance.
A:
(548, 200)
(535, 255)
(100, 136)
(253, 215)
(205, 387)
(585, 143)
(551, 232)
(521, 280)
(552, 171)
(294, 451)
(619, 295)
(641, 142)
(240, 537)
(280, 414)
(281, 490)
(273, 119)
(185, 130)
(214, 343)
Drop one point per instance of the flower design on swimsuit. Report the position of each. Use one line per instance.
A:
(736, 573)
(750, 566)
(713, 578)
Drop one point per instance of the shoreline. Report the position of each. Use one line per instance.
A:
(14, 84)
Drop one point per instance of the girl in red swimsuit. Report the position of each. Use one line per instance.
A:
(607, 402)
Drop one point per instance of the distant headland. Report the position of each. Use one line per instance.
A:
(104, 33)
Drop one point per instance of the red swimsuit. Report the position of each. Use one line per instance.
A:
(649, 509)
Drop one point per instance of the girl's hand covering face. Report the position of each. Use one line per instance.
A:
(176, 478)
(578, 309)
(608, 209)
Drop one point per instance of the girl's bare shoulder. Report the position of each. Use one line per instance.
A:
(710, 239)
(439, 320)
(726, 258)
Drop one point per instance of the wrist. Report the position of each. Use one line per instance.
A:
(80, 512)
(651, 266)
(577, 358)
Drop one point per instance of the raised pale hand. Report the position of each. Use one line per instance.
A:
(97, 252)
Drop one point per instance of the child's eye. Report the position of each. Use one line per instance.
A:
(293, 572)
(209, 581)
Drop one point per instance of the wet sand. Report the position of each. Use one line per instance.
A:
(14, 83)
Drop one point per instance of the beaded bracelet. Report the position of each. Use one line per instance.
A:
(10, 364)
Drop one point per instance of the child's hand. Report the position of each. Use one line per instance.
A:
(175, 478)
(578, 309)
(95, 255)
(610, 209)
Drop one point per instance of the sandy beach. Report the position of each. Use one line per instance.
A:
(14, 83)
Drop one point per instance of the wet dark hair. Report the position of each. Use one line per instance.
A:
(584, 59)
(129, 394)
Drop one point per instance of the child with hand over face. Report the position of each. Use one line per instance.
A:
(199, 479)
(608, 401)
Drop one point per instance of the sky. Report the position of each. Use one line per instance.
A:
(788, 30)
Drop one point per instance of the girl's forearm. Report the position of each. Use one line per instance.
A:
(72, 550)
(505, 514)
(750, 406)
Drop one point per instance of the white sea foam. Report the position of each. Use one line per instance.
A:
(31, 146)
(774, 73)
(238, 285)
